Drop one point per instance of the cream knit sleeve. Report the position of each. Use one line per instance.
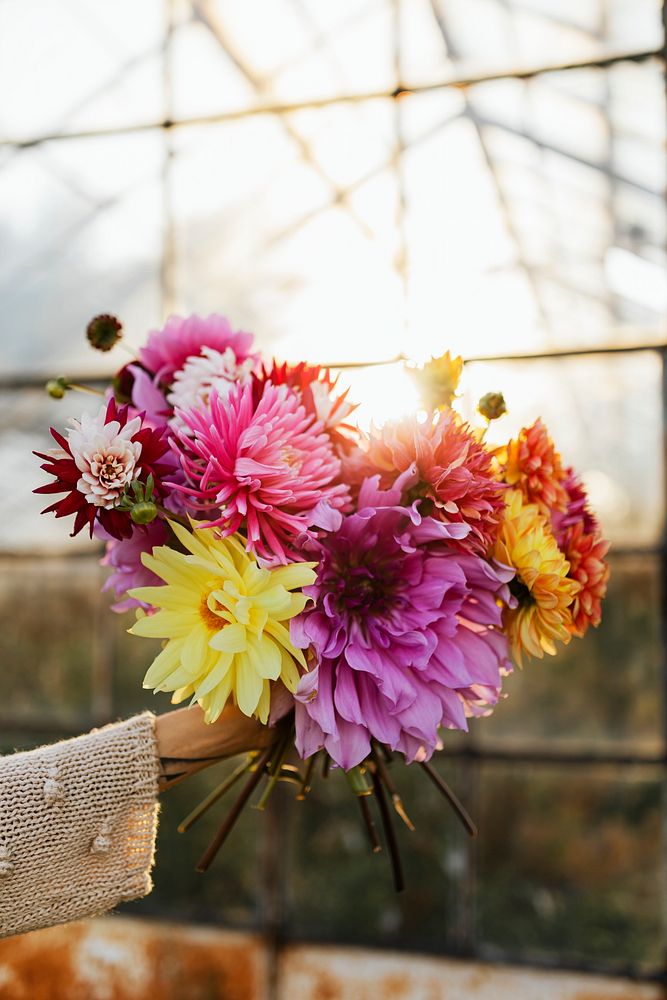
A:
(77, 825)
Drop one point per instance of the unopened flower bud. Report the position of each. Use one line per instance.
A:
(492, 405)
(57, 387)
(144, 512)
(104, 332)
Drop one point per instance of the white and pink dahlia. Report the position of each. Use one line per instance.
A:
(210, 371)
(264, 466)
(106, 455)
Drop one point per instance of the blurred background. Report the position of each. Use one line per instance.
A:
(360, 183)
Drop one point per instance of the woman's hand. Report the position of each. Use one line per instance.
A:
(186, 744)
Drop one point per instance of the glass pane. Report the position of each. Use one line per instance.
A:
(600, 693)
(604, 414)
(50, 612)
(339, 891)
(303, 51)
(71, 66)
(81, 235)
(571, 866)
(535, 213)
(316, 220)
(463, 36)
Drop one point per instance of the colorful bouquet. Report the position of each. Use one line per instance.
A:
(357, 592)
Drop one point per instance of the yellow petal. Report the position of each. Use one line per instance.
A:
(264, 655)
(248, 685)
(163, 625)
(230, 639)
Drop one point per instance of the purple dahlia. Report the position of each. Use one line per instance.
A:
(404, 632)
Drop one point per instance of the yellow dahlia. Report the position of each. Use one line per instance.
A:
(223, 618)
(543, 590)
(438, 380)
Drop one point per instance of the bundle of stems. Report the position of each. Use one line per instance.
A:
(371, 780)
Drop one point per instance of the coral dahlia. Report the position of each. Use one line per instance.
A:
(450, 470)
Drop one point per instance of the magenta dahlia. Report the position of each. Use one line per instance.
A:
(265, 467)
(405, 633)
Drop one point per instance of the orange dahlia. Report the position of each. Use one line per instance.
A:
(586, 555)
(451, 472)
(531, 463)
(543, 591)
(578, 534)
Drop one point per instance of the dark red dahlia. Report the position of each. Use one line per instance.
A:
(98, 460)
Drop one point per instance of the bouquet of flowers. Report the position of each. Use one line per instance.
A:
(357, 592)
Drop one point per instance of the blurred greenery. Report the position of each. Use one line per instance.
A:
(571, 864)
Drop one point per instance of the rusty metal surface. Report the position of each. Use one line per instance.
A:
(123, 959)
(332, 973)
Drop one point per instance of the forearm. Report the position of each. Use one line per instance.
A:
(78, 819)
(77, 825)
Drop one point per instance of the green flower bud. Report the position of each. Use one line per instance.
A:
(143, 512)
(57, 387)
(104, 332)
(492, 405)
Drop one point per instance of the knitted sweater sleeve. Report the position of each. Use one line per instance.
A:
(77, 825)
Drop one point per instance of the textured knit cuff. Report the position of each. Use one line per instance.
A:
(77, 826)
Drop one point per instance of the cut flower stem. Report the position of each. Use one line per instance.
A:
(230, 820)
(451, 797)
(216, 794)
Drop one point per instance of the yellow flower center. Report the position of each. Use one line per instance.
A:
(212, 621)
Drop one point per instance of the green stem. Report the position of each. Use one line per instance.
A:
(274, 769)
(85, 388)
(216, 794)
(308, 777)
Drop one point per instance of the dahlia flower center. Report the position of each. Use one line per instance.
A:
(360, 587)
(212, 620)
(106, 456)
(291, 458)
(519, 590)
(112, 470)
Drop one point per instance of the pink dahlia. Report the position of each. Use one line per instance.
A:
(123, 556)
(167, 350)
(405, 633)
(264, 467)
(449, 469)
(317, 390)
(96, 463)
